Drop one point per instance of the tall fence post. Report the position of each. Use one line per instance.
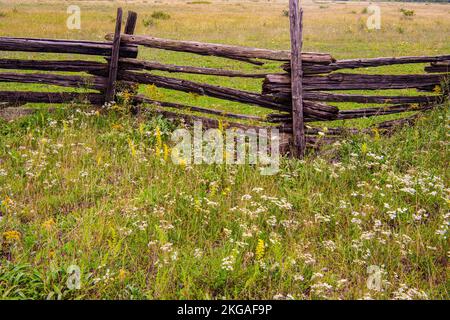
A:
(296, 16)
(130, 25)
(114, 61)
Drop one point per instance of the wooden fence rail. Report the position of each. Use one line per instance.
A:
(371, 62)
(54, 65)
(64, 46)
(90, 82)
(20, 97)
(220, 50)
(134, 64)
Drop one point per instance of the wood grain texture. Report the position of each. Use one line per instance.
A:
(220, 50)
(438, 67)
(64, 46)
(114, 61)
(296, 16)
(98, 83)
(54, 65)
(342, 97)
(367, 63)
(134, 64)
(275, 83)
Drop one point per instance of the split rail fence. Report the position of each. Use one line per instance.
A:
(300, 94)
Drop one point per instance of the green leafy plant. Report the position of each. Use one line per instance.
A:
(161, 15)
(407, 13)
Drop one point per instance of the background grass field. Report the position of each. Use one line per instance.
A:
(77, 188)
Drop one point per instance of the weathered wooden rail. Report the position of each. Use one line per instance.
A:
(303, 91)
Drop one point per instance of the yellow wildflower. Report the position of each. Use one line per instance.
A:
(226, 191)
(126, 97)
(197, 205)
(376, 134)
(117, 126)
(48, 224)
(182, 162)
(141, 128)
(122, 274)
(99, 159)
(166, 152)
(11, 236)
(260, 249)
(6, 202)
(364, 148)
(132, 148)
(158, 138)
(213, 189)
(437, 89)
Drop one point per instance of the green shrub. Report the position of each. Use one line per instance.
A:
(160, 15)
(407, 13)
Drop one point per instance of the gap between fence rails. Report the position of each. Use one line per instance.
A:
(298, 129)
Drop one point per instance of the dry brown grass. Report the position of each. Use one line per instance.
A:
(335, 27)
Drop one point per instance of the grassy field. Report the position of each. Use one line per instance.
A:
(80, 188)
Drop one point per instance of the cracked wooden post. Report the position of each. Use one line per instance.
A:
(298, 134)
(114, 61)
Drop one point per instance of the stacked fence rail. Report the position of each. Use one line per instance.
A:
(96, 84)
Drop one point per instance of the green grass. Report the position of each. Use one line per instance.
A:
(84, 197)
(89, 189)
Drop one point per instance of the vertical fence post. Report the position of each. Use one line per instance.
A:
(114, 61)
(296, 16)
(130, 25)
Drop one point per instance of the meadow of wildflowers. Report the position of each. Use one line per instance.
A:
(98, 192)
